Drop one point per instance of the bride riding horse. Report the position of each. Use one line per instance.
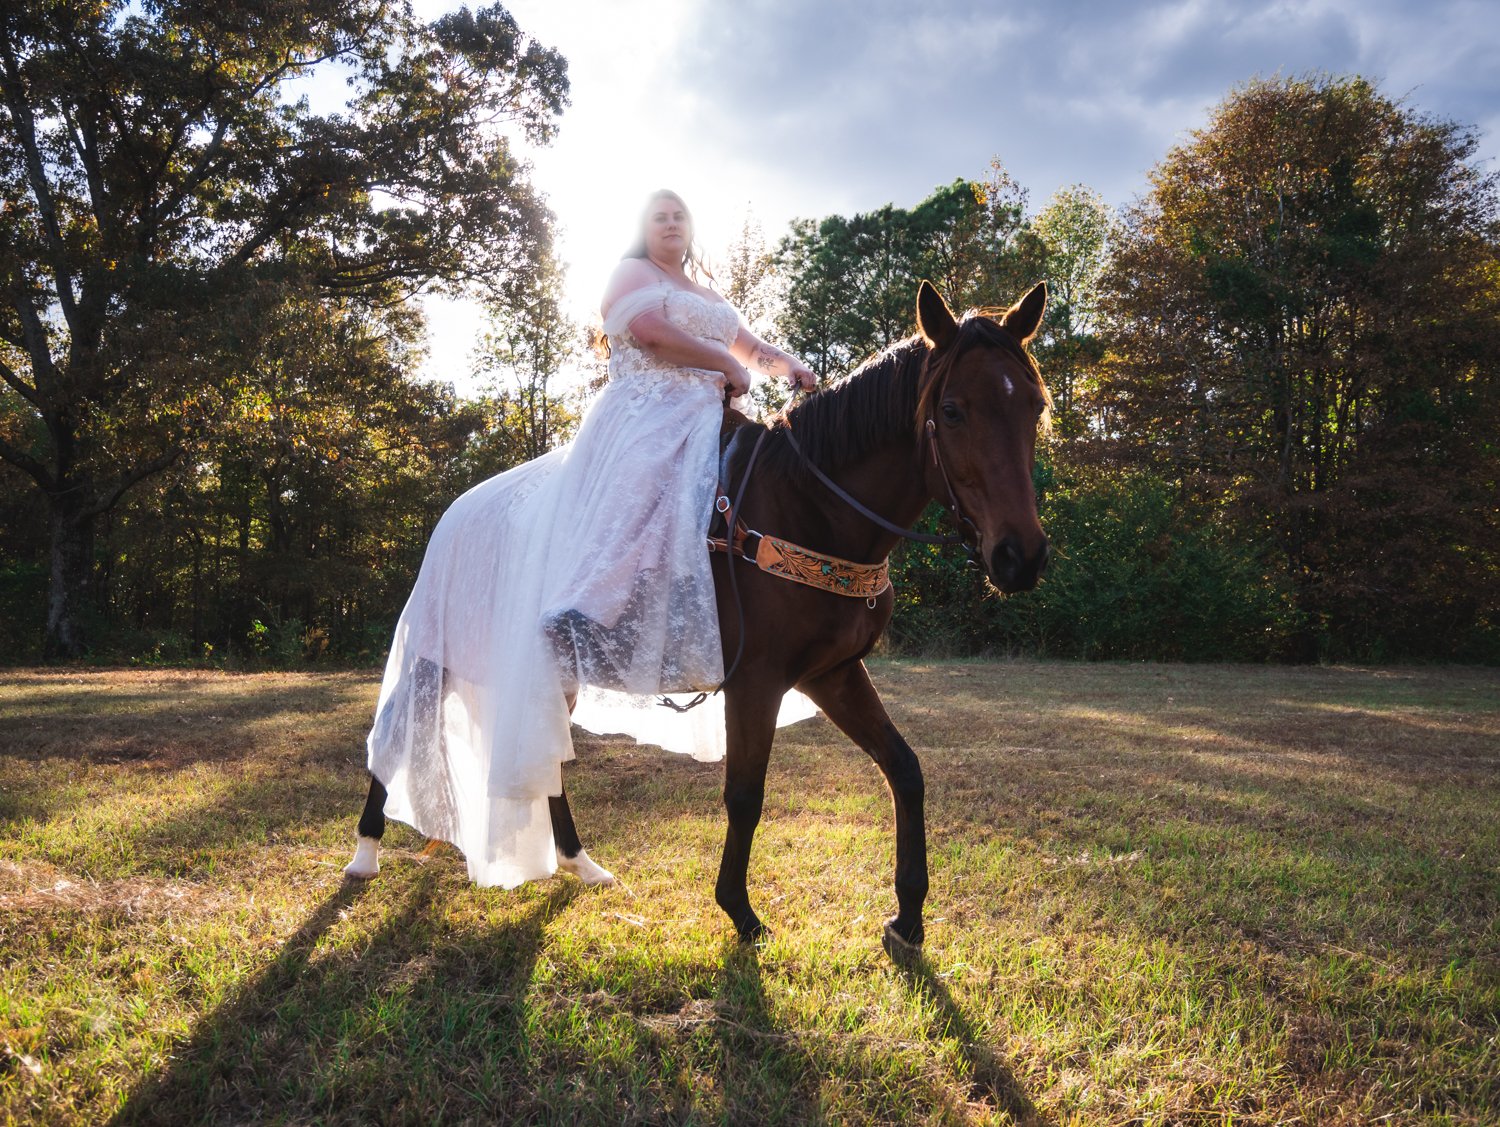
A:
(821, 495)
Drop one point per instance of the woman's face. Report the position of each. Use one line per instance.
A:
(669, 230)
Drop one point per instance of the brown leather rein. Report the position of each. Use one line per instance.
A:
(817, 569)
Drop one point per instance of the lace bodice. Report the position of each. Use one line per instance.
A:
(706, 318)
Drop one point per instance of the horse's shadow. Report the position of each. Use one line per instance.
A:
(764, 1069)
(321, 1031)
(767, 1068)
(254, 1053)
(991, 1080)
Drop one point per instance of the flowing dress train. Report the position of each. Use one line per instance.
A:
(584, 569)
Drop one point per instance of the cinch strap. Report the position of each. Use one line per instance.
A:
(786, 560)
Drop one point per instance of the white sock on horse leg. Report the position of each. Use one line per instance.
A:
(366, 861)
(584, 869)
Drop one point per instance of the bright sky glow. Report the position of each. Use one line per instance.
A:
(796, 108)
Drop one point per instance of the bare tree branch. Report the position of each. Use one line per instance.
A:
(85, 140)
(123, 484)
(34, 339)
(23, 389)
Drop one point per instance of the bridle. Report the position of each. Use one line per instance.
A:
(968, 531)
(967, 534)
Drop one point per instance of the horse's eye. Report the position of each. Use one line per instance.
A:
(951, 413)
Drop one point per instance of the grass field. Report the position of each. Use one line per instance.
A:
(1160, 894)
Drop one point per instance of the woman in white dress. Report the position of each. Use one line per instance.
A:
(580, 577)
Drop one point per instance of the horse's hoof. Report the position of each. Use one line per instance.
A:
(366, 861)
(754, 932)
(902, 952)
(584, 868)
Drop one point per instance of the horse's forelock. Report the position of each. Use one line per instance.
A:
(977, 326)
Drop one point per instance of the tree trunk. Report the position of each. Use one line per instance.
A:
(70, 594)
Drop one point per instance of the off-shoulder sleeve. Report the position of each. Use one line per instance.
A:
(647, 299)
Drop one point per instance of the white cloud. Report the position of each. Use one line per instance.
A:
(808, 108)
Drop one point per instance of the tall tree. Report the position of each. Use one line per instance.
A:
(1074, 232)
(850, 280)
(756, 287)
(1303, 317)
(156, 186)
(307, 504)
(971, 239)
(750, 279)
(523, 352)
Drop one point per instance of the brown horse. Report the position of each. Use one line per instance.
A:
(950, 415)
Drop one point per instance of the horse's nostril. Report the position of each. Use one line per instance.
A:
(1006, 560)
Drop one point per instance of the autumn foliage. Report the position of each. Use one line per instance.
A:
(1276, 432)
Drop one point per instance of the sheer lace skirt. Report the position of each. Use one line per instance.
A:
(584, 569)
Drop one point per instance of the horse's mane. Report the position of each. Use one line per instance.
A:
(879, 403)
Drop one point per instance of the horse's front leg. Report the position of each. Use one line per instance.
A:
(848, 699)
(750, 726)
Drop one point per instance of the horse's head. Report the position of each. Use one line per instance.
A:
(982, 403)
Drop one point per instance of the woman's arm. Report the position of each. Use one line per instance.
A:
(756, 353)
(664, 340)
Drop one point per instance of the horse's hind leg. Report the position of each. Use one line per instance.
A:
(571, 857)
(366, 861)
(848, 699)
(751, 726)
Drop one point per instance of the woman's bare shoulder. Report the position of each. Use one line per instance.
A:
(631, 274)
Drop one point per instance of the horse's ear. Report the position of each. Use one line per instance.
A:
(1022, 318)
(935, 320)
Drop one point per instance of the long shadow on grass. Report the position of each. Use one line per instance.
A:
(414, 1021)
(179, 721)
(764, 1071)
(990, 1079)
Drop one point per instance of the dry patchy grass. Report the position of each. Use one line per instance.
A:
(1160, 894)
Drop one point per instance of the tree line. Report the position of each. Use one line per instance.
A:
(1276, 431)
(1277, 417)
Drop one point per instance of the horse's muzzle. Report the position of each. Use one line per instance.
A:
(1012, 569)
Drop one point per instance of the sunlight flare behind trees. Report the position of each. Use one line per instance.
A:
(155, 183)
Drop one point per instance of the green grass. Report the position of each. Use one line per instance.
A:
(1160, 894)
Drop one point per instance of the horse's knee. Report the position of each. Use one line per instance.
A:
(743, 804)
(903, 771)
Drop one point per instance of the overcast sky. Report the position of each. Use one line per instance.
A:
(810, 107)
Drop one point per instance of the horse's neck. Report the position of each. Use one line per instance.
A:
(889, 482)
(887, 476)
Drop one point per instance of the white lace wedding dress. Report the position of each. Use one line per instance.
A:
(583, 569)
